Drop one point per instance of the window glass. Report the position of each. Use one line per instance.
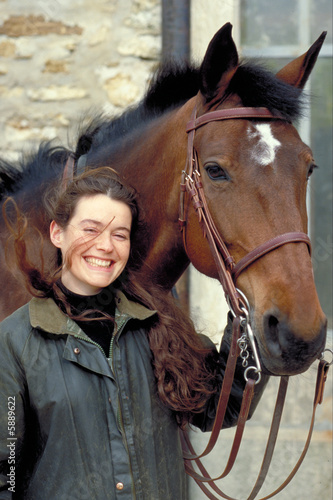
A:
(321, 19)
(269, 23)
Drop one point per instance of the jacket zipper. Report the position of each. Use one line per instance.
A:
(116, 332)
(87, 339)
(118, 329)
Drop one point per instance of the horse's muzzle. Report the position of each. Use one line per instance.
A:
(284, 350)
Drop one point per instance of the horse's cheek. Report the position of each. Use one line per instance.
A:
(198, 249)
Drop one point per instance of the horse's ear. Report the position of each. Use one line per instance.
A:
(297, 72)
(219, 64)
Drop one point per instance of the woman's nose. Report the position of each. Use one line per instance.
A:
(104, 242)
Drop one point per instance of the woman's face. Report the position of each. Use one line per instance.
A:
(95, 244)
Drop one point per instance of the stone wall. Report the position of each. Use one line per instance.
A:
(60, 59)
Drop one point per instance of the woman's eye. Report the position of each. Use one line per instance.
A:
(121, 237)
(215, 172)
(90, 230)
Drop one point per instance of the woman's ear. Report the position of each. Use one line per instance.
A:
(56, 234)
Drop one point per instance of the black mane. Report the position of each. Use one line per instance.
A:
(170, 87)
(42, 165)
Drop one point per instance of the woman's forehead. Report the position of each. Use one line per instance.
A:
(101, 209)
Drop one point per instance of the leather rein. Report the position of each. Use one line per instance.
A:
(243, 342)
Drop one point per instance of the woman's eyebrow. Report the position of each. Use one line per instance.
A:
(90, 221)
(100, 224)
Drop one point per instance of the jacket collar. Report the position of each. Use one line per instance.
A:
(46, 315)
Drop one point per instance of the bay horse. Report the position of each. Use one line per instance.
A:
(254, 172)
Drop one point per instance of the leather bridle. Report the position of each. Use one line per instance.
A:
(191, 183)
(242, 336)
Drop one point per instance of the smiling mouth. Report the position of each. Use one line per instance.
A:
(98, 262)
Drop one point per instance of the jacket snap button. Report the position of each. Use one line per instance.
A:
(76, 350)
(119, 486)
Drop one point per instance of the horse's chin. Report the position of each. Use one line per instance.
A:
(288, 364)
(280, 368)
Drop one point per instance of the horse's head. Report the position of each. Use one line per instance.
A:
(254, 174)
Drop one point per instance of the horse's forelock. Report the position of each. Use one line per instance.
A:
(259, 87)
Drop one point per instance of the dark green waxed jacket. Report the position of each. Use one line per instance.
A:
(86, 427)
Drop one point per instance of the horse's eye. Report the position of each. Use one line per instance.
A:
(216, 173)
(310, 171)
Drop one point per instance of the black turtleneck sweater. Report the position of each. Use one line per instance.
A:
(99, 331)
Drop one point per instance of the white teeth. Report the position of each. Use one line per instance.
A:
(98, 262)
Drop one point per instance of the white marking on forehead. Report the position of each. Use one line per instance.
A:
(264, 151)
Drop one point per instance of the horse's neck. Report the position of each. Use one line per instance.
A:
(155, 158)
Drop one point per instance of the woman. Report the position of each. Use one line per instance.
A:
(98, 374)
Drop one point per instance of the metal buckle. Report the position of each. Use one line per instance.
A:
(247, 339)
(323, 355)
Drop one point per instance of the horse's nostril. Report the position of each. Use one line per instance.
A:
(272, 332)
(284, 342)
(286, 346)
(273, 324)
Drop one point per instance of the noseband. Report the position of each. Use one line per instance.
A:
(228, 270)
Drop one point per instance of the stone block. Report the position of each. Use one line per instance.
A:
(145, 47)
(7, 48)
(57, 93)
(16, 26)
(121, 90)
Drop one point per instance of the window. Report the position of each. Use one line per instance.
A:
(277, 32)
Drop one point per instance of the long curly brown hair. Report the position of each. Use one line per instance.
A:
(180, 360)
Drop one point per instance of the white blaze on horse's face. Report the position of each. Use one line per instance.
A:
(264, 151)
